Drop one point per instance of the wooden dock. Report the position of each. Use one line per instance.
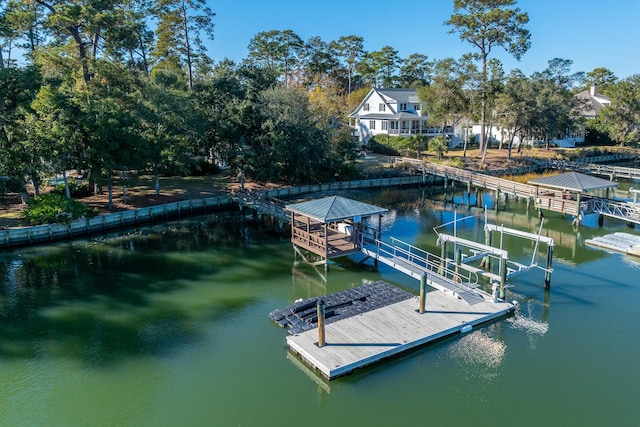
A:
(369, 337)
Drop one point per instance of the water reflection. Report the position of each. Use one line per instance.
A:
(103, 300)
(478, 354)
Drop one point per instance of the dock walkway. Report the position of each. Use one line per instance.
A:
(416, 262)
(369, 337)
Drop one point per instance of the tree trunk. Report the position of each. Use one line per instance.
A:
(36, 184)
(110, 186)
(67, 190)
(483, 119)
(187, 44)
(157, 180)
(510, 145)
(143, 52)
(124, 186)
(75, 33)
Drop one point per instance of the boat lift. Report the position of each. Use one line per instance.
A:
(467, 251)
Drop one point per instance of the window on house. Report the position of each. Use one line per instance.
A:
(372, 124)
(381, 107)
(366, 107)
(418, 107)
(403, 106)
(385, 125)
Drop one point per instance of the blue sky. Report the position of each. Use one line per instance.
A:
(590, 33)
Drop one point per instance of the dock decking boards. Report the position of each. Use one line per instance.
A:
(368, 337)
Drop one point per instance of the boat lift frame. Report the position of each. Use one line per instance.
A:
(507, 268)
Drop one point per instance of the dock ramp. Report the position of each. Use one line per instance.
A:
(416, 262)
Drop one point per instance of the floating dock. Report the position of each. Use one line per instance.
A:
(355, 340)
(622, 242)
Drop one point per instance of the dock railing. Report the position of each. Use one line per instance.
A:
(415, 262)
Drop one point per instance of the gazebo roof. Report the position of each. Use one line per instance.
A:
(574, 181)
(334, 208)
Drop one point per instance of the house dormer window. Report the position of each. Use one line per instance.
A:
(418, 107)
(403, 106)
(366, 107)
(381, 107)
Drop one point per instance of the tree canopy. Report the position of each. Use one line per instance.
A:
(104, 88)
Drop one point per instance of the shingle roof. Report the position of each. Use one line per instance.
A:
(334, 208)
(400, 95)
(592, 104)
(573, 181)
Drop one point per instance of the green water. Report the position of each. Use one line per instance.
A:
(168, 327)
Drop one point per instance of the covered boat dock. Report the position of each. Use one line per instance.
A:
(568, 193)
(331, 227)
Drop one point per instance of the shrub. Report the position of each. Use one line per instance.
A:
(77, 189)
(456, 162)
(54, 208)
(381, 148)
(9, 184)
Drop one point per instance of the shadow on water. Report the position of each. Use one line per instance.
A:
(104, 300)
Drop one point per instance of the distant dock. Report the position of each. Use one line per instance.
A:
(621, 242)
(359, 339)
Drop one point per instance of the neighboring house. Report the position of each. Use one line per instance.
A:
(391, 112)
(594, 102)
(591, 102)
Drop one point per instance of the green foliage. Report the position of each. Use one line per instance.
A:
(439, 146)
(53, 208)
(380, 144)
(78, 189)
(456, 162)
(395, 145)
(11, 185)
(597, 132)
(190, 167)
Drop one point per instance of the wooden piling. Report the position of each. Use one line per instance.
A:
(443, 256)
(423, 284)
(503, 275)
(488, 240)
(547, 273)
(320, 306)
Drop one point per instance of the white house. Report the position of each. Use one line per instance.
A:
(391, 112)
(591, 104)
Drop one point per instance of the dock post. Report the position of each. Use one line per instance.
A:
(547, 273)
(423, 284)
(488, 240)
(321, 341)
(458, 261)
(443, 257)
(503, 275)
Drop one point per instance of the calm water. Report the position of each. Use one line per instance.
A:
(169, 327)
